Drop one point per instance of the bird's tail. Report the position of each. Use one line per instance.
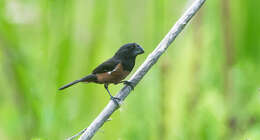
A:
(89, 78)
(70, 84)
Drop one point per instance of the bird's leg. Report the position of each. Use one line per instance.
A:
(111, 97)
(128, 83)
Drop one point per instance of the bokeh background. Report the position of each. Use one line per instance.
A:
(205, 87)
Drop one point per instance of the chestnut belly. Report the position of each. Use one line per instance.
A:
(114, 77)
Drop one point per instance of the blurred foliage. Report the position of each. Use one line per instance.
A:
(205, 87)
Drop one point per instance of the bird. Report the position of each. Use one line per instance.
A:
(114, 70)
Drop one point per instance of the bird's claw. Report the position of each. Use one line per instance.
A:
(115, 99)
(129, 84)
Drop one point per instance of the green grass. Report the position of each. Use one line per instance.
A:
(191, 93)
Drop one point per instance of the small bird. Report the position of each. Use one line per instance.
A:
(114, 70)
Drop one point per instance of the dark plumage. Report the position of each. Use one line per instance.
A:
(115, 69)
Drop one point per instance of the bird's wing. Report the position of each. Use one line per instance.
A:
(107, 66)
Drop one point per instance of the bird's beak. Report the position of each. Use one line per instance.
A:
(139, 50)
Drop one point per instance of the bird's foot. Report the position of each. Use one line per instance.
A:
(115, 99)
(128, 83)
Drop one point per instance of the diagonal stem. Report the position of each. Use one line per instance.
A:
(111, 107)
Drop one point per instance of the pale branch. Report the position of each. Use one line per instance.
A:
(76, 135)
(142, 70)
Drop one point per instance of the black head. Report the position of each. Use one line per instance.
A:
(130, 50)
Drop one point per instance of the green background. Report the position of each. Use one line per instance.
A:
(205, 87)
